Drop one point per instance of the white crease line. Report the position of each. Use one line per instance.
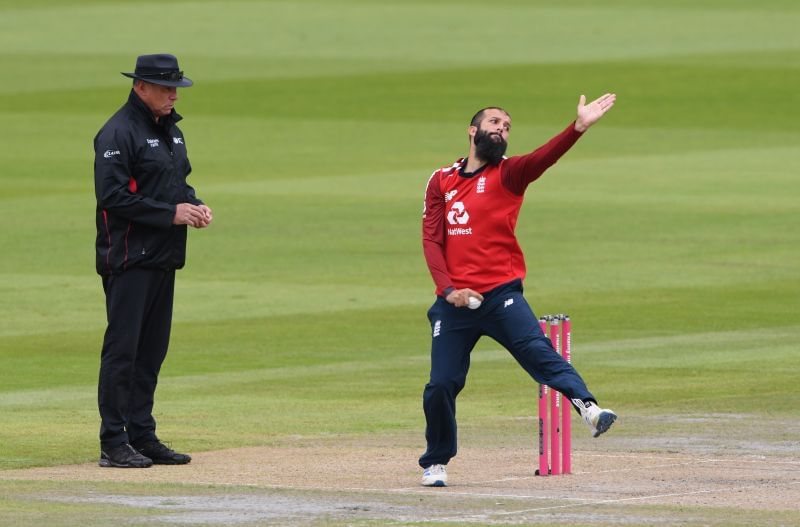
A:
(643, 467)
(588, 472)
(633, 469)
(716, 460)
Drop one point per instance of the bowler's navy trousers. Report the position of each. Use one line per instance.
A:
(506, 317)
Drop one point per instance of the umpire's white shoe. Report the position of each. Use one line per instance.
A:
(598, 419)
(435, 476)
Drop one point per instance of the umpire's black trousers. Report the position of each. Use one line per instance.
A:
(139, 311)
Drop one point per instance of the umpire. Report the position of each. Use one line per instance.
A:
(143, 207)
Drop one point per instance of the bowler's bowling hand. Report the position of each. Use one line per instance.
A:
(188, 214)
(460, 297)
(588, 114)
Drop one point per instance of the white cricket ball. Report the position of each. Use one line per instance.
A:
(474, 303)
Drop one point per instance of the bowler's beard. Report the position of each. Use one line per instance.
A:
(488, 148)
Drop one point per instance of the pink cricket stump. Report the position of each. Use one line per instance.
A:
(555, 399)
(543, 452)
(566, 416)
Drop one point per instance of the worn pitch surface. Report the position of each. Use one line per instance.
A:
(344, 481)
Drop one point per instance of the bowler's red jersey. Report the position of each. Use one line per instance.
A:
(469, 219)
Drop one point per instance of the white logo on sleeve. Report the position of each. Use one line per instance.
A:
(109, 153)
(177, 140)
(458, 214)
(508, 303)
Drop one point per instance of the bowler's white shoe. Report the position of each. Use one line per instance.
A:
(598, 419)
(435, 476)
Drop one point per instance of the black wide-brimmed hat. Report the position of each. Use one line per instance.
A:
(159, 69)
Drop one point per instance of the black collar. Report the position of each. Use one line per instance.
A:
(165, 122)
(465, 174)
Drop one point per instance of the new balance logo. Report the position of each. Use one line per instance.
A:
(508, 302)
(437, 328)
(449, 195)
(177, 140)
(580, 404)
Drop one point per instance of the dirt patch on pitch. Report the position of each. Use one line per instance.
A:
(348, 479)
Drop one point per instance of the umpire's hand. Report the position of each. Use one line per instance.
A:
(193, 215)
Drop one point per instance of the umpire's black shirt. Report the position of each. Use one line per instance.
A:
(140, 171)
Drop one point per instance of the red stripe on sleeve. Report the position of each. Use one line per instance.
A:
(108, 236)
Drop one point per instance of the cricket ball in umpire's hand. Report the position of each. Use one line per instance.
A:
(474, 303)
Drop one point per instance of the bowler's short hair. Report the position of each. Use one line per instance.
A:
(478, 117)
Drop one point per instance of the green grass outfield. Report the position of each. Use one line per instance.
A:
(669, 233)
